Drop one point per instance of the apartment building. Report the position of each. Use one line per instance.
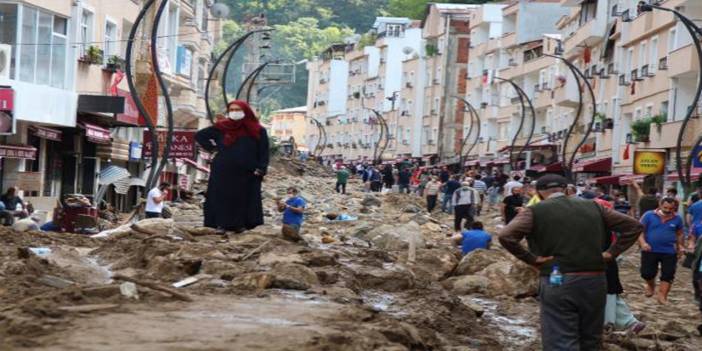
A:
(289, 125)
(69, 55)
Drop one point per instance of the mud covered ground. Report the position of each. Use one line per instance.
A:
(389, 280)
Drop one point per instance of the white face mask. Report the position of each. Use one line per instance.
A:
(236, 115)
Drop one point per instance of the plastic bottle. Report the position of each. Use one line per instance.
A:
(556, 278)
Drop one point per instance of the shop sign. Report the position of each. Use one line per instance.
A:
(184, 181)
(697, 157)
(7, 119)
(19, 152)
(649, 162)
(183, 144)
(29, 181)
(135, 151)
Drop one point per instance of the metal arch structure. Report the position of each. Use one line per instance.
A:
(322, 143)
(230, 50)
(522, 98)
(474, 115)
(164, 88)
(382, 138)
(250, 80)
(695, 33)
(135, 93)
(578, 73)
(229, 61)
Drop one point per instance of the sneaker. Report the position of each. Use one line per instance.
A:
(636, 328)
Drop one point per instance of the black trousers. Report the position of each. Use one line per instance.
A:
(572, 314)
(153, 215)
(341, 186)
(461, 212)
(431, 202)
(376, 186)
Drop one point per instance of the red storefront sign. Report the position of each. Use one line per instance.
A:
(47, 133)
(18, 151)
(97, 134)
(183, 144)
(7, 120)
(131, 112)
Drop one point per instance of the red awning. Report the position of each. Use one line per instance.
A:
(694, 175)
(46, 133)
(472, 163)
(197, 166)
(552, 168)
(627, 179)
(96, 134)
(607, 180)
(498, 162)
(536, 145)
(18, 151)
(600, 165)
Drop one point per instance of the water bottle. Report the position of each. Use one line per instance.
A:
(556, 278)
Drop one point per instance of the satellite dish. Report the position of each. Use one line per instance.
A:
(219, 10)
(407, 50)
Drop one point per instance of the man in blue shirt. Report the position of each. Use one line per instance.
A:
(694, 213)
(475, 238)
(293, 209)
(661, 244)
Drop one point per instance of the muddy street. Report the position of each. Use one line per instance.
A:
(386, 278)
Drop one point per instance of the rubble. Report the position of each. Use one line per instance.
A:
(389, 280)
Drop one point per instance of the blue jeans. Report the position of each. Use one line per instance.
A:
(446, 204)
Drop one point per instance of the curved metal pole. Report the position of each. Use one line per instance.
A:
(567, 166)
(164, 89)
(533, 119)
(512, 160)
(250, 77)
(233, 47)
(229, 59)
(383, 137)
(253, 81)
(135, 93)
(477, 136)
(470, 129)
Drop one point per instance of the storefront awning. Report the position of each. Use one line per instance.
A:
(498, 162)
(606, 180)
(600, 165)
(18, 151)
(472, 163)
(551, 168)
(96, 134)
(694, 175)
(46, 133)
(627, 179)
(194, 164)
(537, 145)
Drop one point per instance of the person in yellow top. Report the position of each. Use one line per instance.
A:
(531, 191)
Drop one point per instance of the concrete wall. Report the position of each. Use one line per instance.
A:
(530, 20)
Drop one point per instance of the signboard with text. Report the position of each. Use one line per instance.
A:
(183, 144)
(649, 162)
(29, 181)
(697, 157)
(7, 119)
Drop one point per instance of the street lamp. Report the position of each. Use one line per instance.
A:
(695, 33)
(578, 74)
(522, 97)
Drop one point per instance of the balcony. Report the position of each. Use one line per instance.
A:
(479, 50)
(587, 35)
(683, 62)
(543, 99)
(667, 135)
(187, 9)
(508, 40)
(508, 111)
(567, 96)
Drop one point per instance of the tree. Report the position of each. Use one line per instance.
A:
(415, 9)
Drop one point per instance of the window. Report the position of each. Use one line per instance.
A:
(649, 110)
(167, 43)
(438, 75)
(205, 18)
(394, 30)
(653, 65)
(184, 61)
(664, 109)
(672, 40)
(40, 64)
(110, 39)
(588, 11)
(642, 54)
(628, 63)
(86, 31)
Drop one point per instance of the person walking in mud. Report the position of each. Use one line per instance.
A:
(573, 286)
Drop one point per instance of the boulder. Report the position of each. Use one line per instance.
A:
(394, 237)
(272, 258)
(467, 284)
(392, 280)
(432, 264)
(478, 260)
(371, 201)
(511, 278)
(293, 276)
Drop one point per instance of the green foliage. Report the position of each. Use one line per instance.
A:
(415, 9)
(273, 146)
(641, 128)
(304, 38)
(431, 50)
(600, 117)
(367, 39)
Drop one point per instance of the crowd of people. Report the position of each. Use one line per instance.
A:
(601, 225)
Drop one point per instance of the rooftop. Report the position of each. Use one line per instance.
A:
(299, 109)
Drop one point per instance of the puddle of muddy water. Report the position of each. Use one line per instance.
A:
(513, 331)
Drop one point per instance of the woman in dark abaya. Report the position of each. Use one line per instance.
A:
(240, 147)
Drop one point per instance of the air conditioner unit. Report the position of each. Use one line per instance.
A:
(5, 57)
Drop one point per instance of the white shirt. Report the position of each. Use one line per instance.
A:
(511, 185)
(151, 205)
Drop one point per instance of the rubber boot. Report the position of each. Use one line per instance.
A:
(663, 291)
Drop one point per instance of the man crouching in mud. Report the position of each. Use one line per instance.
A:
(565, 237)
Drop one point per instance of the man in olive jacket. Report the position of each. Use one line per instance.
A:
(569, 233)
